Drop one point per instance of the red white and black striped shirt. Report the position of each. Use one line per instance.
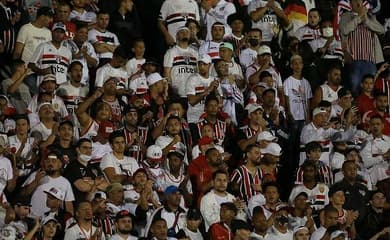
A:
(246, 181)
(219, 130)
(325, 175)
(135, 149)
(361, 44)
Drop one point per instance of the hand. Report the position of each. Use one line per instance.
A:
(83, 50)
(239, 203)
(206, 5)
(257, 187)
(363, 13)
(183, 184)
(40, 174)
(45, 71)
(383, 67)
(98, 93)
(169, 40)
(176, 139)
(270, 4)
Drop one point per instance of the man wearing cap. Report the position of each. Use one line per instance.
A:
(246, 179)
(173, 15)
(264, 63)
(19, 217)
(226, 53)
(52, 57)
(137, 137)
(198, 87)
(44, 179)
(216, 11)
(231, 85)
(49, 228)
(248, 134)
(114, 68)
(103, 40)
(269, 162)
(180, 62)
(265, 15)
(153, 162)
(82, 51)
(32, 34)
(54, 201)
(123, 226)
(301, 213)
(48, 88)
(211, 47)
(170, 211)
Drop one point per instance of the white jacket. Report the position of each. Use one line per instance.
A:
(210, 208)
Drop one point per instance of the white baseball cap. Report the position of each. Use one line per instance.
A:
(56, 192)
(154, 152)
(253, 107)
(336, 234)
(264, 50)
(273, 149)
(154, 78)
(47, 219)
(266, 135)
(205, 58)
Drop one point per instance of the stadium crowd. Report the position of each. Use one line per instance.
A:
(194, 119)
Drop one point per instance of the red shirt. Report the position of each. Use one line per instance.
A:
(200, 174)
(365, 103)
(220, 231)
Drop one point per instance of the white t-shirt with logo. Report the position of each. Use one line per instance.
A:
(176, 12)
(38, 199)
(127, 165)
(298, 93)
(47, 55)
(95, 36)
(183, 63)
(269, 19)
(106, 71)
(195, 85)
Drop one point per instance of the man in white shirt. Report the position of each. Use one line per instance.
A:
(83, 227)
(265, 15)
(52, 57)
(198, 87)
(32, 34)
(377, 145)
(116, 166)
(123, 226)
(180, 62)
(43, 180)
(280, 230)
(330, 219)
(103, 40)
(248, 56)
(211, 202)
(216, 11)
(173, 15)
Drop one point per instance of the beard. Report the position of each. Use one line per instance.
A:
(124, 231)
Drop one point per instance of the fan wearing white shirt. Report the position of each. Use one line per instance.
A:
(117, 167)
